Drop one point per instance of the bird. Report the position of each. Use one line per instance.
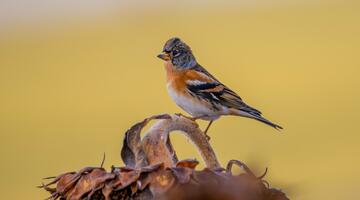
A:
(198, 92)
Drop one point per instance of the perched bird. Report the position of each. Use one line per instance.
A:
(198, 92)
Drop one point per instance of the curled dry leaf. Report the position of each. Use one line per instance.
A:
(132, 152)
(153, 171)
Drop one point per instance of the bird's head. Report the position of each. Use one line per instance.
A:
(178, 53)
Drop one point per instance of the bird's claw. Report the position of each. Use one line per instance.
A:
(207, 137)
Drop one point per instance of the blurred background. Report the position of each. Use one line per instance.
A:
(75, 75)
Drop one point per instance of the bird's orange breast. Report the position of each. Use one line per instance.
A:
(177, 78)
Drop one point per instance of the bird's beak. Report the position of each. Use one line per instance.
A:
(164, 56)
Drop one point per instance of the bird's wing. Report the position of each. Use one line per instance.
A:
(202, 84)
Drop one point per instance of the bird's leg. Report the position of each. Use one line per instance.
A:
(199, 117)
(187, 117)
(190, 118)
(206, 130)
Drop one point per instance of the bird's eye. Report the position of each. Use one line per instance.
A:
(176, 53)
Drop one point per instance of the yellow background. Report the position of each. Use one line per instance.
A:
(70, 89)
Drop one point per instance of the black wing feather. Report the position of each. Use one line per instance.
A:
(224, 97)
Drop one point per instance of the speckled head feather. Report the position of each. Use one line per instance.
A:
(171, 43)
(180, 53)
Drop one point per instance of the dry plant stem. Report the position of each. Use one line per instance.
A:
(156, 142)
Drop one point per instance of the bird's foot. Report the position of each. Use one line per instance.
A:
(194, 119)
(207, 137)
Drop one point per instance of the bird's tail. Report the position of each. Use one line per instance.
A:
(265, 121)
(255, 114)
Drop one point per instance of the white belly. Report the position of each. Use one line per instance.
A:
(193, 106)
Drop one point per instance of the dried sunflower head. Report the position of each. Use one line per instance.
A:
(142, 178)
